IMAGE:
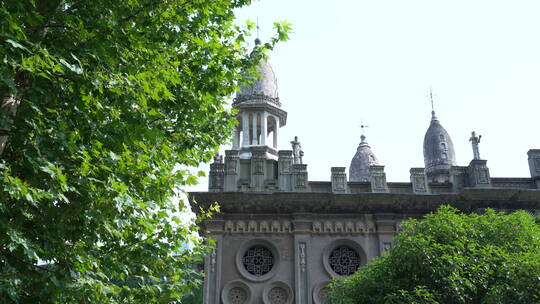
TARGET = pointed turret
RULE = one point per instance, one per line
(439, 153)
(364, 157)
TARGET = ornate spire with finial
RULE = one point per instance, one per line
(362, 160)
(257, 40)
(439, 155)
(362, 132)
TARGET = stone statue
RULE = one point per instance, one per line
(475, 140)
(298, 153)
(218, 159)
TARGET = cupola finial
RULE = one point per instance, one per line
(257, 40)
(362, 132)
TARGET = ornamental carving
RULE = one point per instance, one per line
(300, 180)
(258, 165)
(213, 259)
(323, 294)
(344, 260)
(302, 253)
(237, 295)
(420, 183)
(278, 295)
(258, 260)
(253, 226)
(483, 176)
(230, 164)
(342, 227)
(285, 166)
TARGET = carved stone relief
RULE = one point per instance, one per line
(302, 253)
(300, 180)
(420, 183)
(252, 226)
(342, 227)
(258, 166)
(237, 295)
(278, 295)
(483, 176)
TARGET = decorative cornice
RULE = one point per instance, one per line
(255, 99)
(467, 200)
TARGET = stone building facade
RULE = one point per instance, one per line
(280, 238)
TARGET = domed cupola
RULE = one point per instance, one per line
(439, 153)
(263, 90)
(364, 157)
(259, 112)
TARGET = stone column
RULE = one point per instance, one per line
(254, 130)
(479, 174)
(534, 165)
(285, 161)
(263, 128)
(339, 180)
(245, 129)
(276, 129)
(231, 170)
(300, 177)
(377, 178)
(418, 181)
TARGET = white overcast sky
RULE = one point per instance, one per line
(349, 61)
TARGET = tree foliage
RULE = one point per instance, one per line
(101, 101)
(450, 257)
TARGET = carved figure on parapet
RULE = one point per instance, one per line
(218, 159)
(475, 140)
(298, 153)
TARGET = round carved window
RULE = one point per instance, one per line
(323, 294)
(277, 292)
(237, 295)
(344, 260)
(258, 260)
(278, 295)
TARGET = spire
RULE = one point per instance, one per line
(439, 155)
(362, 160)
(257, 40)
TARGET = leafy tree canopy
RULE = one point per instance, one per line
(100, 101)
(450, 257)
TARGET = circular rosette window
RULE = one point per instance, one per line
(257, 260)
(320, 292)
(236, 292)
(278, 293)
(343, 258)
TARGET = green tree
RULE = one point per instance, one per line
(450, 257)
(101, 101)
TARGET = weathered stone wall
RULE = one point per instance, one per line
(304, 232)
